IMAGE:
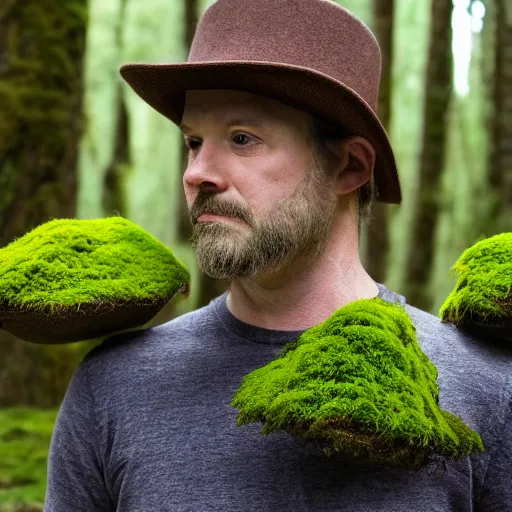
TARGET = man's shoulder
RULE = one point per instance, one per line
(433, 335)
(144, 344)
(474, 374)
(456, 352)
(431, 330)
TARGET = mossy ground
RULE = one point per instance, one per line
(68, 262)
(484, 283)
(358, 383)
(25, 436)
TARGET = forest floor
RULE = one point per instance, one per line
(25, 435)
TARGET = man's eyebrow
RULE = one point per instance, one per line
(254, 123)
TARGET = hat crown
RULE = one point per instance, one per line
(316, 34)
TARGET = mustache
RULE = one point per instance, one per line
(211, 204)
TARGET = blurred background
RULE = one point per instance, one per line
(76, 142)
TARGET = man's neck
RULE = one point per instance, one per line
(299, 299)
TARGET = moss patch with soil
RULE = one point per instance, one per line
(482, 297)
(71, 280)
(358, 383)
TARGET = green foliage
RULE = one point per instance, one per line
(358, 383)
(42, 45)
(42, 373)
(68, 262)
(41, 70)
(25, 436)
(484, 283)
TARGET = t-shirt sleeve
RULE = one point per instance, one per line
(75, 470)
(496, 490)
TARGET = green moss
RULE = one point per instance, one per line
(43, 70)
(25, 436)
(42, 46)
(73, 280)
(484, 283)
(68, 262)
(358, 383)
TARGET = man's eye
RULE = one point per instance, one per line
(240, 135)
(191, 144)
(240, 139)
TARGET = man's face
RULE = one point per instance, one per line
(257, 200)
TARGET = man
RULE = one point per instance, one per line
(277, 107)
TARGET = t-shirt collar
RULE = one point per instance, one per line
(271, 336)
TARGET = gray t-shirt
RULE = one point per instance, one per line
(146, 425)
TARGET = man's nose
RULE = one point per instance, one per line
(206, 167)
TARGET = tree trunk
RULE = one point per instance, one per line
(438, 89)
(42, 46)
(114, 197)
(41, 52)
(209, 288)
(377, 239)
(500, 148)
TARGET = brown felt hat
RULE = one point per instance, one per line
(311, 54)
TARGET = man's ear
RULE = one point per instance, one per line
(356, 164)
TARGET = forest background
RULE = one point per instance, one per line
(76, 142)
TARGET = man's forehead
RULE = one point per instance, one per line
(228, 105)
(203, 102)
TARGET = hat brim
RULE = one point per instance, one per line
(163, 87)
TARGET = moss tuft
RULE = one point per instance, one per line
(67, 262)
(68, 266)
(483, 292)
(358, 383)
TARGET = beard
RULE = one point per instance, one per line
(296, 230)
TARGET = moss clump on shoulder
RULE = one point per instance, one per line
(482, 296)
(358, 383)
(72, 280)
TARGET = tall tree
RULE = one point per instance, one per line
(377, 235)
(209, 288)
(114, 198)
(42, 46)
(438, 91)
(500, 147)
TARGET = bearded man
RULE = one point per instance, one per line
(276, 104)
